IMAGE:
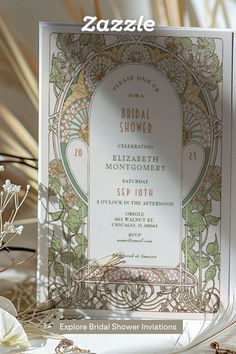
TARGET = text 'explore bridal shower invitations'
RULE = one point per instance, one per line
(135, 146)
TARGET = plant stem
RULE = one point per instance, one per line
(18, 263)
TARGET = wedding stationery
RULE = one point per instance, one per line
(135, 159)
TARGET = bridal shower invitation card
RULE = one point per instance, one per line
(135, 159)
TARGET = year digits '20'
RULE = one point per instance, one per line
(78, 152)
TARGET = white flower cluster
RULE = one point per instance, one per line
(10, 193)
(10, 228)
(12, 188)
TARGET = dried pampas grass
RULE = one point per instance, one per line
(18, 62)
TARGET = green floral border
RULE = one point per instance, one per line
(68, 249)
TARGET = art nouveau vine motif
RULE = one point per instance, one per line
(194, 69)
(202, 253)
(202, 256)
(73, 50)
(201, 57)
(68, 241)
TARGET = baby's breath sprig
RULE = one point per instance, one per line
(9, 193)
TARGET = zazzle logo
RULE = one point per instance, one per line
(117, 25)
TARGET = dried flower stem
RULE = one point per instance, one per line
(72, 10)
(4, 203)
(30, 173)
(18, 263)
(16, 158)
(16, 248)
(12, 142)
(176, 11)
(8, 242)
(155, 11)
(81, 8)
(115, 10)
(181, 11)
(21, 162)
(215, 10)
(26, 221)
(18, 73)
(33, 62)
(98, 9)
(19, 205)
(19, 130)
(168, 12)
(10, 191)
